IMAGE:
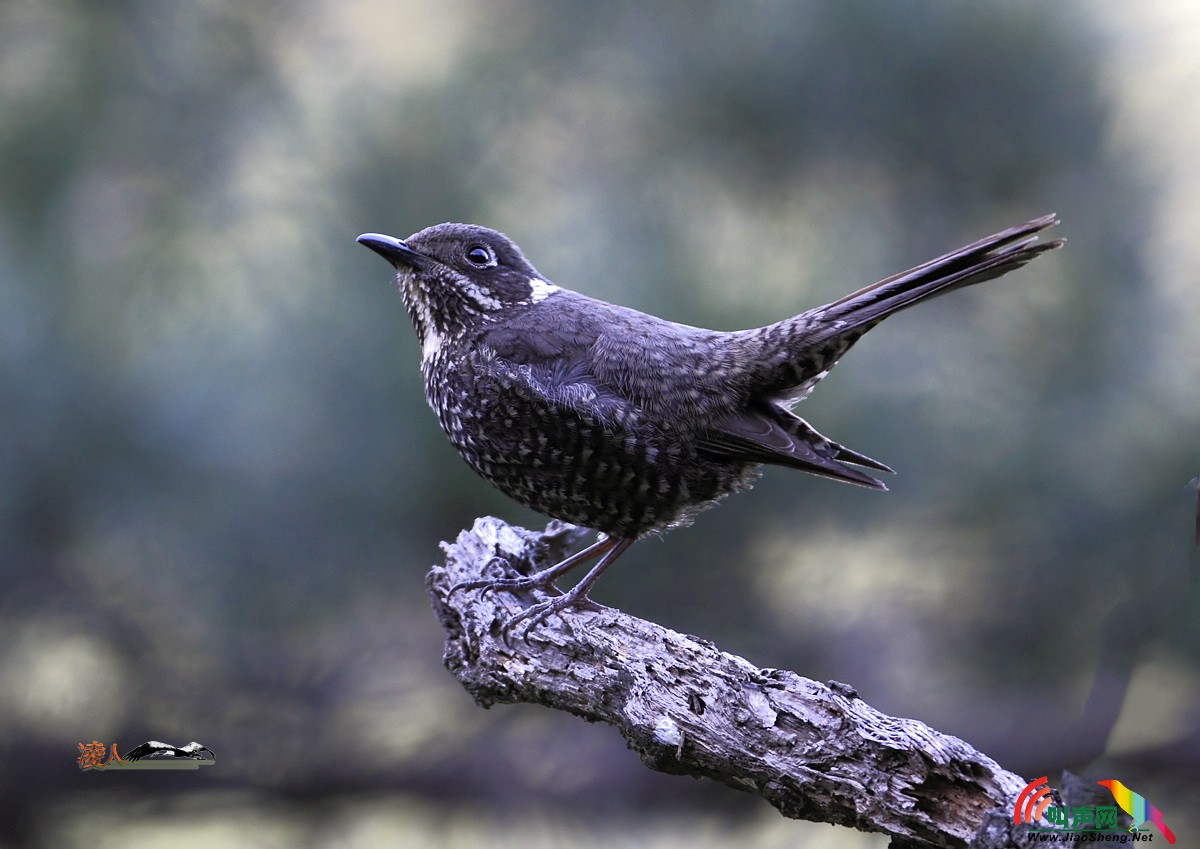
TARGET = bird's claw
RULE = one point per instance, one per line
(608, 549)
(543, 610)
(523, 582)
(492, 584)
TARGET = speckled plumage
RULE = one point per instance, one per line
(617, 420)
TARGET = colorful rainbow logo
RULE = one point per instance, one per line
(1137, 807)
(1033, 801)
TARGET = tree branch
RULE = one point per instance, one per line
(814, 751)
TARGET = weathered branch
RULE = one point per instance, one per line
(816, 752)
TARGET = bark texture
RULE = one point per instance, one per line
(815, 751)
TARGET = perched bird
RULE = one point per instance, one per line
(622, 422)
(155, 749)
(1137, 807)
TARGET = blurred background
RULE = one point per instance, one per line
(221, 488)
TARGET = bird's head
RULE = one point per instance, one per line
(453, 276)
(194, 749)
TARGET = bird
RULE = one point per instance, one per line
(155, 749)
(622, 422)
(1137, 807)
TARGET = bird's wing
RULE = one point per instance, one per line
(551, 369)
(766, 433)
(147, 749)
(669, 371)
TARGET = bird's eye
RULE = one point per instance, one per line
(481, 256)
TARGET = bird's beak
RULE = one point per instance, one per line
(393, 250)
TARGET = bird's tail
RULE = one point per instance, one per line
(797, 352)
(1157, 819)
(983, 260)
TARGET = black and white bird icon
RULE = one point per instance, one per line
(155, 749)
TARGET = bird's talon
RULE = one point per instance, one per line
(489, 584)
(462, 586)
(505, 565)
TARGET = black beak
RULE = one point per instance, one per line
(393, 250)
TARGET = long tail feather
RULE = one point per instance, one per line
(983, 260)
(797, 352)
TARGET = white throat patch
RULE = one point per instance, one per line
(431, 339)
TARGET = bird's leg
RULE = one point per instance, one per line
(577, 596)
(543, 580)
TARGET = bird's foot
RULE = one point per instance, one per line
(607, 549)
(543, 580)
(542, 610)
